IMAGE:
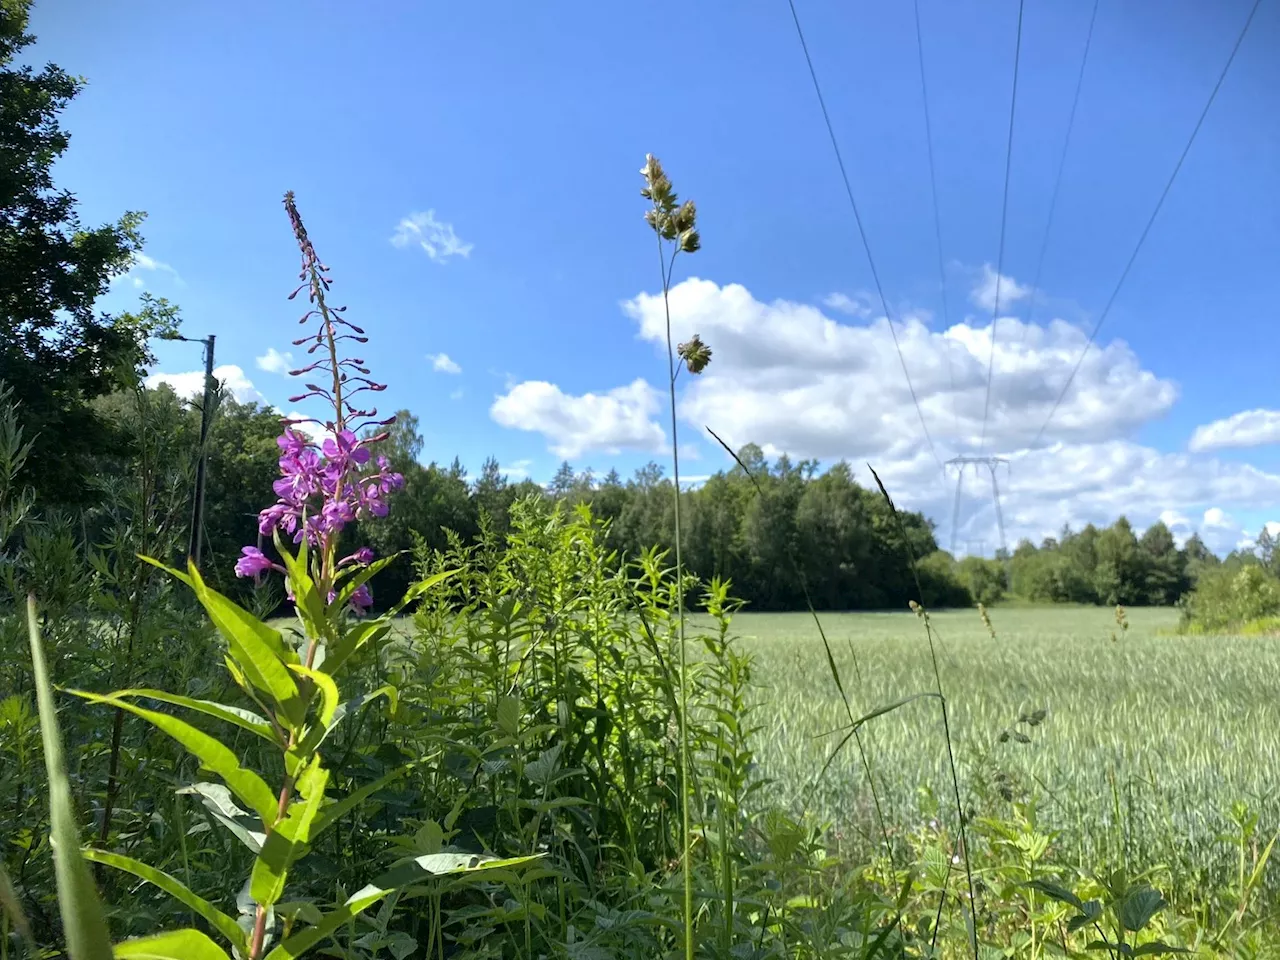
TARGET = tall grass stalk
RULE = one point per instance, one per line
(946, 723)
(676, 225)
(831, 660)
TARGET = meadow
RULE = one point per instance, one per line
(1147, 742)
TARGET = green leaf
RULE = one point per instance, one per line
(174, 945)
(509, 715)
(219, 758)
(307, 601)
(328, 690)
(12, 906)
(217, 800)
(300, 943)
(224, 924)
(418, 589)
(1139, 905)
(259, 650)
(83, 919)
(362, 576)
(1155, 948)
(1057, 892)
(290, 838)
(886, 708)
(417, 869)
(317, 735)
(244, 719)
(353, 640)
(330, 815)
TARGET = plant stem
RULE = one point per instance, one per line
(686, 829)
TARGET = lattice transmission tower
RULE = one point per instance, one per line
(992, 464)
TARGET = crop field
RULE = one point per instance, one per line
(1147, 740)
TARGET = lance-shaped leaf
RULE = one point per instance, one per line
(301, 942)
(257, 649)
(334, 812)
(360, 577)
(174, 945)
(289, 840)
(244, 719)
(220, 921)
(413, 870)
(212, 753)
(317, 734)
(83, 919)
(9, 901)
(307, 602)
(217, 800)
(353, 640)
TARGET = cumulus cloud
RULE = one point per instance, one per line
(190, 384)
(516, 470)
(859, 306)
(792, 379)
(273, 361)
(140, 266)
(436, 238)
(443, 363)
(984, 292)
(620, 419)
(1249, 428)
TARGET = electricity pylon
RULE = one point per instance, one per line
(992, 464)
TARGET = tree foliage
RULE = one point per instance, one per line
(56, 352)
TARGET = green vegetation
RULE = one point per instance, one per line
(563, 739)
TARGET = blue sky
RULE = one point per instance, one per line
(519, 130)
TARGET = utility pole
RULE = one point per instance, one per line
(196, 542)
(992, 464)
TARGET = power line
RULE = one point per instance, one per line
(866, 246)
(1151, 221)
(1004, 215)
(937, 216)
(1062, 163)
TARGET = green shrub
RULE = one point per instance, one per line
(1232, 596)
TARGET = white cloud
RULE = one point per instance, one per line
(190, 384)
(858, 306)
(142, 263)
(620, 419)
(1249, 428)
(793, 380)
(984, 292)
(443, 363)
(788, 377)
(273, 361)
(516, 470)
(316, 431)
(456, 394)
(437, 239)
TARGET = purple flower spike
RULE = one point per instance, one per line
(253, 562)
(362, 599)
(292, 442)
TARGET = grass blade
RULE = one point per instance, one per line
(83, 918)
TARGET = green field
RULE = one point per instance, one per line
(1148, 739)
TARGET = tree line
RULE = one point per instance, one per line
(786, 533)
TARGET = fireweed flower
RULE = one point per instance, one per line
(326, 486)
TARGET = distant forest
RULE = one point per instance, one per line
(793, 526)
